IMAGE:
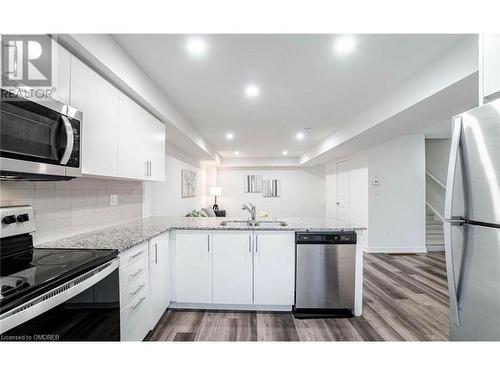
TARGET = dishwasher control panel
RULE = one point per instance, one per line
(325, 237)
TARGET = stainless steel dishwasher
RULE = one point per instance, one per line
(324, 274)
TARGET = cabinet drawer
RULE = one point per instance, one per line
(134, 322)
(132, 273)
(133, 255)
(134, 288)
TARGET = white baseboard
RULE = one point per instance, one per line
(395, 250)
(217, 306)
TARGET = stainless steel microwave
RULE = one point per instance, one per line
(39, 140)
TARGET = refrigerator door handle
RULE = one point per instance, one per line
(450, 221)
(450, 271)
(452, 165)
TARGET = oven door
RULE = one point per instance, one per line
(38, 138)
(85, 309)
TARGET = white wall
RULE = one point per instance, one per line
(302, 192)
(64, 208)
(397, 206)
(393, 211)
(164, 198)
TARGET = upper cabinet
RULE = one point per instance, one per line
(119, 137)
(99, 102)
(141, 146)
(61, 63)
(491, 66)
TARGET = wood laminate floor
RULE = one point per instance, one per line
(405, 299)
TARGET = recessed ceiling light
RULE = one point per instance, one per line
(285, 153)
(344, 45)
(236, 153)
(196, 46)
(229, 136)
(299, 135)
(252, 91)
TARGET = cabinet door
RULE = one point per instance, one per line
(274, 268)
(158, 277)
(156, 149)
(61, 73)
(98, 100)
(193, 266)
(134, 322)
(132, 149)
(491, 65)
(232, 267)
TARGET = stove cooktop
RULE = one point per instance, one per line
(26, 274)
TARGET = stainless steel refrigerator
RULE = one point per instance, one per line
(472, 225)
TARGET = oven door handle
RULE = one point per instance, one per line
(55, 297)
(70, 140)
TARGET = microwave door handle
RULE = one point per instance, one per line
(69, 140)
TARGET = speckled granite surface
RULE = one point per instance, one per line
(127, 235)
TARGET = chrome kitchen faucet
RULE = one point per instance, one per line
(250, 210)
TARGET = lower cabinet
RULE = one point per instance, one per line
(232, 267)
(274, 268)
(235, 267)
(193, 266)
(134, 293)
(159, 280)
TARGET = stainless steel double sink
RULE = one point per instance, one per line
(251, 223)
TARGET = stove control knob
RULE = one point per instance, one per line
(9, 219)
(23, 217)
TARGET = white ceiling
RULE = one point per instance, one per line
(302, 82)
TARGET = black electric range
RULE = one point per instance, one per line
(54, 294)
(29, 273)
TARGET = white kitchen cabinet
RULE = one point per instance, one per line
(232, 267)
(159, 281)
(132, 150)
(156, 148)
(491, 65)
(193, 266)
(61, 73)
(98, 100)
(274, 267)
(134, 322)
(141, 149)
(134, 293)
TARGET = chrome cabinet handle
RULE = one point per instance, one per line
(137, 290)
(256, 243)
(70, 140)
(208, 242)
(138, 303)
(136, 273)
(249, 243)
(136, 255)
(156, 253)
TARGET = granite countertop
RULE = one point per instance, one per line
(124, 236)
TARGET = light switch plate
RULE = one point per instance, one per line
(113, 200)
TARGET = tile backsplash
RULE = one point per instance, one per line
(64, 208)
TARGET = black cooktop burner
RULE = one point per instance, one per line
(27, 273)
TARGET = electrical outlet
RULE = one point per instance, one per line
(113, 200)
